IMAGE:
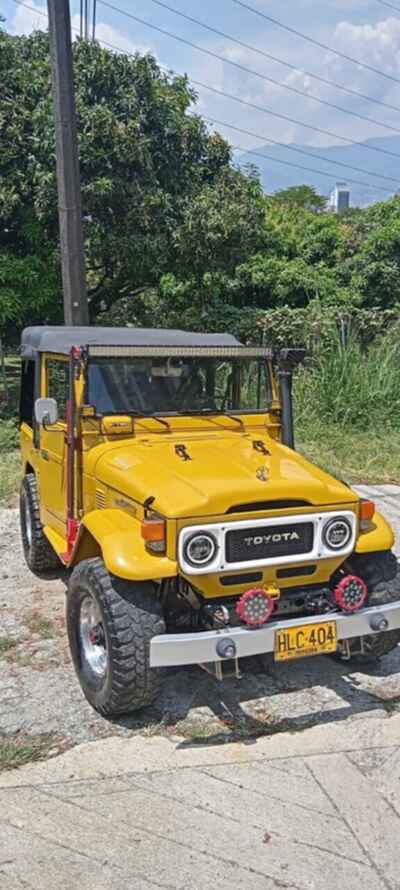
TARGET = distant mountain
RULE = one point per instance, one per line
(363, 157)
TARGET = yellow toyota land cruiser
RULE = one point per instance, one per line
(160, 471)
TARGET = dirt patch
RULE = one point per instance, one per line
(40, 626)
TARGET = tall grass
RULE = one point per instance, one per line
(348, 386)
(8, 434)
(10, 474)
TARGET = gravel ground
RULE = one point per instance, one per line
(40, 694)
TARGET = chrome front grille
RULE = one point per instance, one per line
(252, 544)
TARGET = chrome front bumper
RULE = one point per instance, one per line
(170, 650)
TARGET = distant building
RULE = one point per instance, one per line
(340, 198)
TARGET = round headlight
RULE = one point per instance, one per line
(337, 533)
(200, 549)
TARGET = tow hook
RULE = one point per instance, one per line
(320, 604)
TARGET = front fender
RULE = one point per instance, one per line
(378, 536)
(118, 538)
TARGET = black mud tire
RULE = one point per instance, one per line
(130, 616)
(375, 570)
(38, 552)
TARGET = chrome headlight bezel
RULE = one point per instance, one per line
(219, 531)
(340, 521)
(200, 535)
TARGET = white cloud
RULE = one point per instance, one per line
(378, 44)
(27, 20)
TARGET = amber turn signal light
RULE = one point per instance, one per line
(153, 532)
(367, 510)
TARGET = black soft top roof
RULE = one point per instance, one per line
(61, 339)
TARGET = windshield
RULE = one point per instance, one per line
(178, 386)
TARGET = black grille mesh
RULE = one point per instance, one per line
(269, 541)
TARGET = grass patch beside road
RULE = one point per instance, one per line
(6, 645)
(347, 408)
(10, 473)
(352, 455)
(9, 458)
(17, 751)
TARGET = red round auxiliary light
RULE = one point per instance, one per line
(255, 606)
(351, 593)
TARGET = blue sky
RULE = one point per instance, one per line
(365, 29)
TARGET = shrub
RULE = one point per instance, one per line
(350, 385)
(8, 435)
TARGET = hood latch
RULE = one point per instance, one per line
(258, 445)
(181, 451)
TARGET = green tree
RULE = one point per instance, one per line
(375, 264)
(304, 196)
(145, 162)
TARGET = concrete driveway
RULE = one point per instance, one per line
(308, 798)
(316, 810)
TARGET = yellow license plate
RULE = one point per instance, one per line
(309, 639)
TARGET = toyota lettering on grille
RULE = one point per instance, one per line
(257, 540)
(269, 541)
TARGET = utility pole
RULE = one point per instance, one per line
(94, 21)
(68, 178)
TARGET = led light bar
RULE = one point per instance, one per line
(240, 352)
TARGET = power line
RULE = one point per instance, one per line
(312, 40)
(213, 120)
(390, 5)
(247, 132)
(301, 167)
(284, 145)
(266, 55)
(263, 138)
(263, 109)
(244, 68)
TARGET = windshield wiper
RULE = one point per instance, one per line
(216, 413)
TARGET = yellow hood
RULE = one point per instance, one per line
(223, 471)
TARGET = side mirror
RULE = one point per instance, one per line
(288, 358)
(46, 412)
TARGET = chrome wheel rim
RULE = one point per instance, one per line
(92, 637)
(28, 521)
